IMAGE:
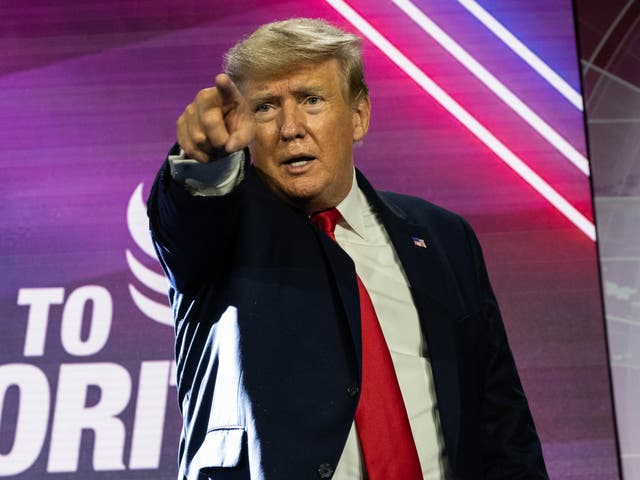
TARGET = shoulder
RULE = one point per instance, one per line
(447, 232)
(417, 211)
(442, 226)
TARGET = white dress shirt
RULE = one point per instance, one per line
(365, 240)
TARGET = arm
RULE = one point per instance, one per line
(191, 232)
(193, 204)
(511, 448)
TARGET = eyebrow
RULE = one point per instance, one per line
(301, 91)
(309, 90)
(261, 98)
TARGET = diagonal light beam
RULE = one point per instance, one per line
(495, 85)
(467, 120)
(520, 49)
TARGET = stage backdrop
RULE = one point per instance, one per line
(610, 42)
(476, 107)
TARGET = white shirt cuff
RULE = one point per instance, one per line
(212, 179)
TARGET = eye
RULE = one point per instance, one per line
(313, 100)
(264, 108)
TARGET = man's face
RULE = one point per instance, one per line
(305, 130)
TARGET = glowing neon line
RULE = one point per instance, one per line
(520, 49)
(495, 85)
(464, 117)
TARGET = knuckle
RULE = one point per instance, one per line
(200, 140)
(204, 96)
(211, 120)
(181, 120)
(195, 133)
(189, 112)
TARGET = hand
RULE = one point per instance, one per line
(218, 119)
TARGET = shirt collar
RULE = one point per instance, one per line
(353, 208)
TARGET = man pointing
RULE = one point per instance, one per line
(323, 329)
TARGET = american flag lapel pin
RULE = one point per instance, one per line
(419, 242)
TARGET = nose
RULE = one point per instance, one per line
(292, 121)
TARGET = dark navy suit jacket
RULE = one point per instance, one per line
(268, 344)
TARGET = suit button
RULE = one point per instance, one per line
(325, 470)
(353, 389)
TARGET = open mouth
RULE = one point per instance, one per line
(299, 160)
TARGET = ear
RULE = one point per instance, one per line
(361, 114)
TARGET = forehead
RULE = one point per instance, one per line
(324, 77)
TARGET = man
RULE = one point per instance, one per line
(323, 329)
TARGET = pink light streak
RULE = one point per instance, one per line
(466, 119)
(493, 84)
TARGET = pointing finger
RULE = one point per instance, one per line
(228, 90)
(237, 113)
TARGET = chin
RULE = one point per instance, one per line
(302, 191)
(306, 201)
(311, 201)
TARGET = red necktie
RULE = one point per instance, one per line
(381, 418)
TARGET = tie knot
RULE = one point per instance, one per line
(327, 220)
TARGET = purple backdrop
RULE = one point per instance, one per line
(89, 93)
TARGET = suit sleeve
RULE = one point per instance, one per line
(191, 233)
(511, 448)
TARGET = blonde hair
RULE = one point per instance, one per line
(281, 47)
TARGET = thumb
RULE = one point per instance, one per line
(241, 137)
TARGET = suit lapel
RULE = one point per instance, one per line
(344, 275)
(432, 287)
(340, 264)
